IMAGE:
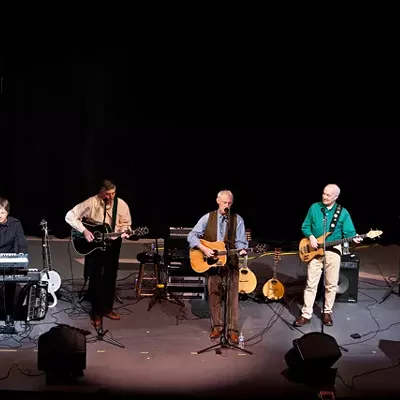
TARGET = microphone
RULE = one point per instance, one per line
(323, 211)
(226, 210)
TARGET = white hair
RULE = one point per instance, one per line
(335, 187)
(227, 192)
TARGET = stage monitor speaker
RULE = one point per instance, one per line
(314, 351)
(62, 351)
(347, 291)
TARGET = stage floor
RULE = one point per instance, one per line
(160, 354)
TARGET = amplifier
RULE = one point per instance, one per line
(188, 294)
(347, 291)
(178, 253)
(176, 280)
(179, 232)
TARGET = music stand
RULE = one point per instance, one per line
(101, 334)
(224, 342)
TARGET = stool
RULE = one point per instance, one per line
(141, 276)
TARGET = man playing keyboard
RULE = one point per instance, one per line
(12, 240)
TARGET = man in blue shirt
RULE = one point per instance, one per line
(221, 225)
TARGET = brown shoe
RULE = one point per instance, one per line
(327, 319)
(233, 337)
(301, 321)
(113, 315)
(215, 333)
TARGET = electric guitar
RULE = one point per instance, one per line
(83, 247)
(307, 252)
(273, 289)
(200, 263)
(48, 274)
(247, 278)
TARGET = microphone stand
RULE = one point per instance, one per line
(224, 343)
(102, 334)
(323, 269)
(323, 275)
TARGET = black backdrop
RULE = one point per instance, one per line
(173, 134)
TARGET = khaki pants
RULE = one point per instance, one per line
(216, 299)
(314, 271)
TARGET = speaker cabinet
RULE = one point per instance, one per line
(62, 351)
(347, 291)
(313, 350)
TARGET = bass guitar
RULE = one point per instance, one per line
(307, 252)
(201, 263)
(273, 289)
(83, 247)
(48, 274)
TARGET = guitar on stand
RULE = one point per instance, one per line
(48, 274)
(274, 289)
(247, 278)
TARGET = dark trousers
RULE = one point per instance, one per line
(9, 300)
(216, 293)
(101, 267)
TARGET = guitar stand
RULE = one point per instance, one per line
(9, 327)
(224, 342)
(102, 336)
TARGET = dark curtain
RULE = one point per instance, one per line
(172, 133)
(73, 115)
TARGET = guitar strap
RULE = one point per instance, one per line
(335, 218)
(114, 214)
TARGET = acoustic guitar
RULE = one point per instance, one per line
(201, 263)
(274, 289)
(83, 247)
(307, 252)
(247, 278)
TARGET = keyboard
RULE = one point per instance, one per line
(25, 276)
(14, 260)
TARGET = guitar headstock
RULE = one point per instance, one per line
(260, 248)
(277, 254)
(141, 231)
(373, 234)
(43, 223)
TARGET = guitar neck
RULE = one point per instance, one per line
(113, 234)
(275, 265)
(47, 255)
(232, 252)
(341, 241)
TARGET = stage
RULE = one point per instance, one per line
(161, 345)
